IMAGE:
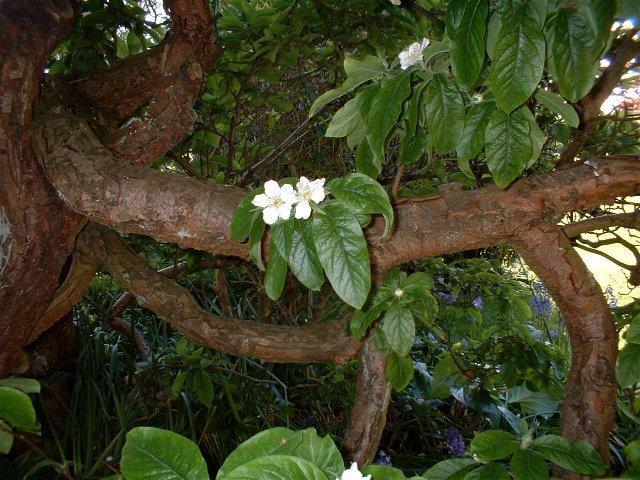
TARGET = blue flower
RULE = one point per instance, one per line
(454, 442)
(448, 297)
(541, 301)
(478, 302)
(382, 458)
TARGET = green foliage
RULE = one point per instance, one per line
(16, 410)
(628, 369)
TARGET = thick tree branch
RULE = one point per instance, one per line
(589, 106)
(193, 214)
(369, 411)
(588, 409)
(626, 220)
(275, 343)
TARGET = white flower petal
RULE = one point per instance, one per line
(288, 194)
(425, 43)
(270, 215)
(317, 195)
(261, 201)
(272, 189)
(284, 211)
(303, 210)
(303, 183)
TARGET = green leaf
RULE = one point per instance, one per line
(413, 146)
(574, 67)
(154, 454)
(579, 456)
(528, 465)
(244, 216)
(362, 319)
(383, 472)
(628, 369)
(399, 329)
(385, 109)
(556, 104)
(518, 61)
(321, 451)
(537, 139)
(255, 243)
(344, 121)
(17, 410)
(133, 43)
(121, 47)
(27, 385)
(262, 444)
(475, 126)
(342, 251)
(178, 383)
(282, 236)
(277, 467)
(363, 195)
(6, 438)
(365, 162)
(399, 371)
(491, 471)
(358, 72)
(632, 334)
(203, 386)
(303, 257)
(444, 110)
(467, 30)
(632, 451)
(276, 273)
(494, 445)
(508, 145)
(450, 469)
(446, 376)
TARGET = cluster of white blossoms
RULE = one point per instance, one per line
(277, 201)
(353, 474)
(412, 55)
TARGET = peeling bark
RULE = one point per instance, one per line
(588, 409)
(313, 343)
(369, 412)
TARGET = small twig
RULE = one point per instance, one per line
(396, 182)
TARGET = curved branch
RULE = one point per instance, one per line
(369, 411)
(275, 343)
(588, 409)
(626, 220)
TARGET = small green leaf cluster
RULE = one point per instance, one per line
(628, 368)
(471, 92)
(400, 300)
(16, 410)
(527, 458)
(330, 242)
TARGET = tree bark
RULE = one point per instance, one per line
(588, 409)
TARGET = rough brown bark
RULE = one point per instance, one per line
(369, 412)
(36, 229)
(588, 409)
(317, 342)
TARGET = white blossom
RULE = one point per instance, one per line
(396, 2)
(412, 55)
(398, 293)
(308, 191)
(276, 201)
(353, 474)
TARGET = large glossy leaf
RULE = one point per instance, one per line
(413, 146)
(466, 25)
(155, 454)
(444, 110)
(261, 444)
(518, 61)
(358, 72)
(383, 472)
(579, 456)
(362, 319)
(493, 445)
(507, 145)
(276, 273)
(303, 257)
(385, 109)
(449, 469)
(244, 216)
(344, 121)
(490, 471)
(278, 467)
(26, 385)
(556, 104)
(321, 451)
(255, 242)
(599, 16)
(399, 371)
(6, 438)
(475, 126)
(399, 329)
(573, 42)
(17, 410)
(528, 465)
(282, 236)
(536, 136)
(342, 251)
(363, 195)
(628, 369)
(632, 335)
